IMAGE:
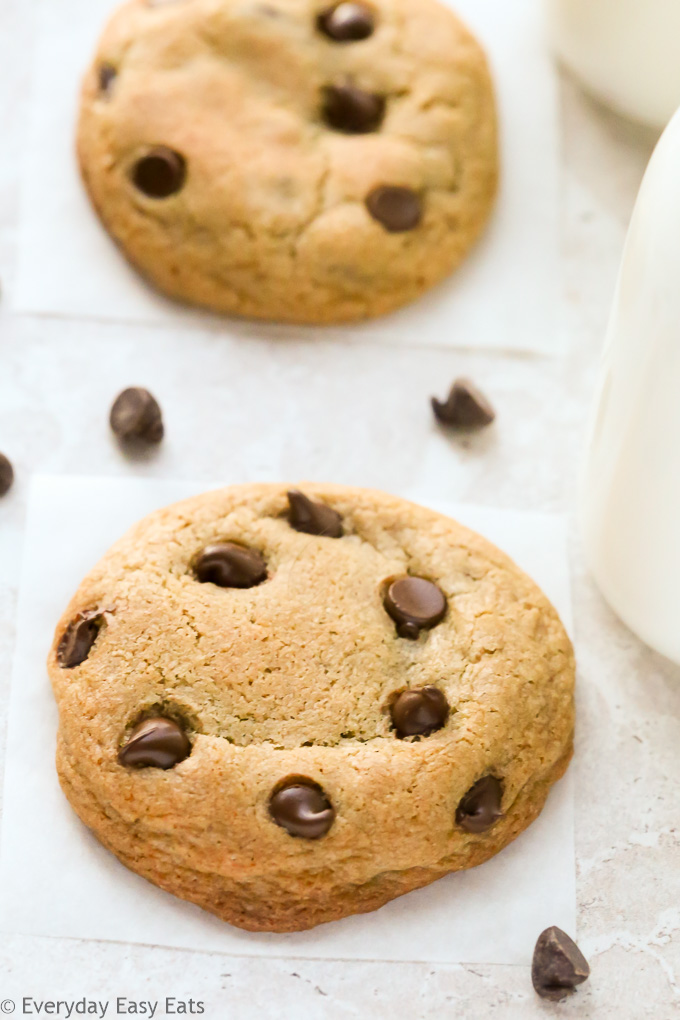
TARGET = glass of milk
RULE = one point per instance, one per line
(631, 496)
(626, 52)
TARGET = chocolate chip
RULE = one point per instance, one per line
(78, 639)
(157, 743)
(397, 209)
(414, 604)
(230, 566)
(136, 415)
(160, 173)
(480, 808)
(558, 965)
(347, 22)
(313, 518)
(419, 712)
(6, 475)
(465, 408)
(349, 109)
(302, 808)
(107, 74)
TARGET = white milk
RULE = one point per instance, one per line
(627, 52)
(631, 499)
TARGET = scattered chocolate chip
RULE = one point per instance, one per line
(302, 808)
(6, 475)
(229, 565)
(107, 74)
(465, 408)
(155, 743)
(349, 109)
(397, 209)
(313, 518)
(160, 173)
(347, 22)
(136, 415)
(419, 712)
(558, 965)
(78, 639)
(480, 808)
(414, 604)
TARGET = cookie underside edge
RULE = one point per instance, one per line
(228, 899)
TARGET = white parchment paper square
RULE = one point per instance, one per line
(56, 880)
(507, 295)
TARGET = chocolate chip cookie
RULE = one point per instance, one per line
(291, 706)
(290, 160)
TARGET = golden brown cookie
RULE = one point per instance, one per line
(287, 159)
(291, 707)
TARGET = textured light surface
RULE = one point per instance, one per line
(627, 850)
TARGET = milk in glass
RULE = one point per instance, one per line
(631, 497)
(627, 52)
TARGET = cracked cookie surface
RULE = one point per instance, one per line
(248, 160)
(245, 721)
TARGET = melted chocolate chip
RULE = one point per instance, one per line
(157, 743)
(414, 604)
(419, 712)
(347, 22)
(397, 209)
(480, 808)
(6, 475)
(558, 965)
(229, 565)
(106, 75)
(313, 518)
(78, 639)
(302, 808)
(160, 173)
(349, 109)
(466, 407)
(136, 415)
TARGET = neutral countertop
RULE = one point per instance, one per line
(367, 409)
